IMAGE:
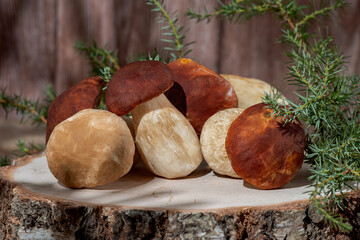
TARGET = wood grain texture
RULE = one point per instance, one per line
(27, 61)
(347, 34)
(206, 35)
(250, 50)
(37, 39)
(28, 215)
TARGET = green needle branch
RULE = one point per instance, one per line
(327, 99)
(176, 33)
(28, 108)
(172, 25)
(21, 106)
(99, 58)
(29, 149)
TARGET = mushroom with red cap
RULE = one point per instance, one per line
(84, 95)
(165, 139)
(263, 150)
(206, 92)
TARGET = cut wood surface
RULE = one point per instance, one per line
(140, 205)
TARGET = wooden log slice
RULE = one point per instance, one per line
(142, 206)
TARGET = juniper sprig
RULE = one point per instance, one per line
(4, 161)
(174, 35)
(328, 99)
(29, 109)
(28, 149)
(99, 58)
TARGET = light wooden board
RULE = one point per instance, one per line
(202, 190)
(142, 206)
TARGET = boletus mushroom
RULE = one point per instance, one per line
(91, 148)
(249, 91)
(212, 141)
(263, 150)
(206, 92)
(165, 139)
(84, 95)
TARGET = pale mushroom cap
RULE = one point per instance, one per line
(91, 148)
(212, 140)
(249, 91)
(168, 143)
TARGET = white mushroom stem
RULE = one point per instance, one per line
(156, 103)
(167, 142)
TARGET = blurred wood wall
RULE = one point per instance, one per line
(37, 39)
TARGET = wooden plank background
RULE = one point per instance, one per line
(37, 39)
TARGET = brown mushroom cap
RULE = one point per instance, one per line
(135, 83)
(262, 150)
(85, 94)
(206, 91)
(91, 148)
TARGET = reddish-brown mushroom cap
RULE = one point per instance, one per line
(85, 94)
(206, 91)
(135, 83)
(264, 151)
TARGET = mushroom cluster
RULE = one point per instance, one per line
(171, 106)
(167, 142)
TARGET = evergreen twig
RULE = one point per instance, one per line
(105, 75)
(99, 58)
(176, 33)
(23, 149)
(4, 161)
(28, 108)
(328, 100)
(154, 55)
(28, 149)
